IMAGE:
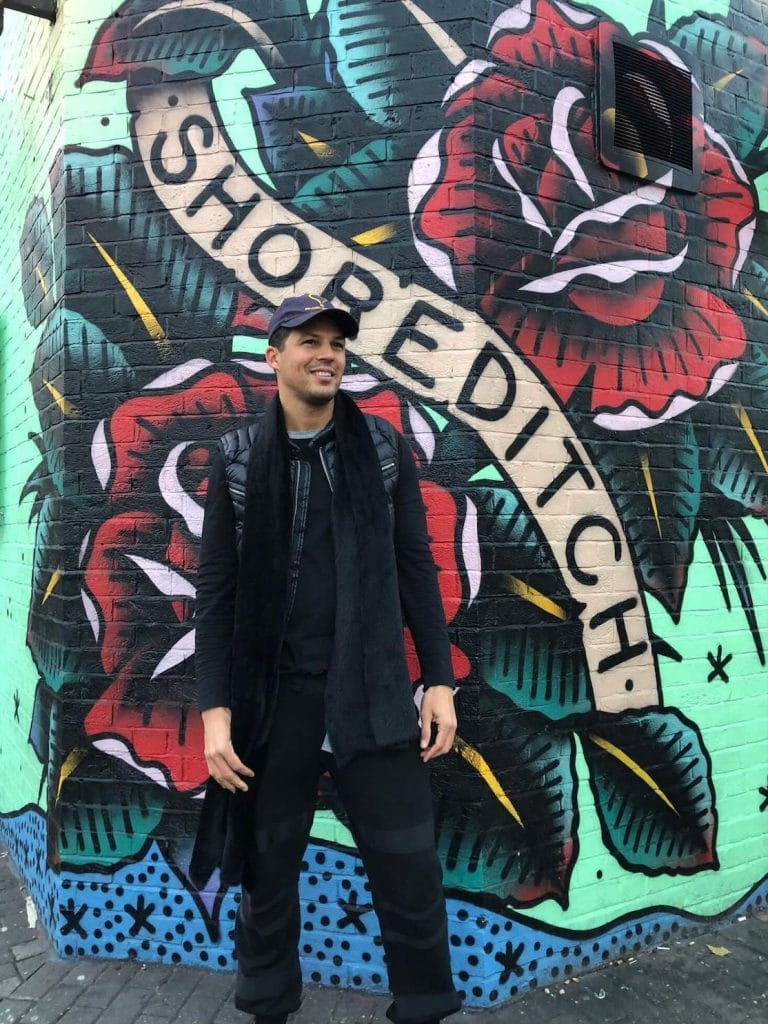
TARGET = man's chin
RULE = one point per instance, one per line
(318, 401)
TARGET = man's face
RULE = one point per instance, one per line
(311, 362)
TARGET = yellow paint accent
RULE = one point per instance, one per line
(63, 403)
(41, 279)
(756, 302)
(375, 235)
(536, 597)
(721, 83)
(478, 762)
(321, 149)
(72, 760)
(649, 485)
(634, 767)
(52, 583)
(749, 430)
(148, 318)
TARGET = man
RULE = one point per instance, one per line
(314, 544)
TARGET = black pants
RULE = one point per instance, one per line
(387, 798)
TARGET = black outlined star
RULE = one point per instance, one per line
(140, 914)
(353, 911)
(718, 663)
(73, 918)
(763, 791)
(508, 960)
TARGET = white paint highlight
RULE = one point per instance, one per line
(718, 139)
(470, 550)
(421, 177)
(532, 215)
(616, 272)
(165, 579)
(179, 374)
(745, 241)
(576, 16)
(175, 496)
(83, 548)
(91, 614)
(667, 52)
(423, 432)
(100, 457)
(450, 49)
(514, 20)
(262, 368)
(633, 418)
(468, 74)
(114, 747)
(359, 383)
(561, 139)
(612, 211)
(180, 652)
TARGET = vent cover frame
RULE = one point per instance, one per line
(637, 162)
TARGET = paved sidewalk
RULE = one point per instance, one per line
(685, 983)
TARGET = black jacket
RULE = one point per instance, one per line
(217, 574)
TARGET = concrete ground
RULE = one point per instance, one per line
(685, 983)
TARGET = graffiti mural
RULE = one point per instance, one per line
(576, 354)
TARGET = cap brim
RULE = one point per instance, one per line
(345, 320)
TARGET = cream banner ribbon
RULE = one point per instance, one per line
(441, 352)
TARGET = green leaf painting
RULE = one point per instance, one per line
(650, 775)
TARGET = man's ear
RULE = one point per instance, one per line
(272, 355)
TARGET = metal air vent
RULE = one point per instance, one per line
(649, 103)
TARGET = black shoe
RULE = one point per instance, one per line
(280, 1018)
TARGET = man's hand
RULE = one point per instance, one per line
(437, 707)
(223, 763)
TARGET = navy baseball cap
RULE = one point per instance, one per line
(298, 309)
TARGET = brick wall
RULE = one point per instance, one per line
(551, 219)
(31, 245)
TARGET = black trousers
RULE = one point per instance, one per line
(387, 797)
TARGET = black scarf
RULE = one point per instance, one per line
(368, 697)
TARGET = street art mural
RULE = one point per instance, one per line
(576, 352)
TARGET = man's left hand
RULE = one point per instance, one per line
(437, 708)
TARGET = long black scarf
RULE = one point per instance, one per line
(368, 699)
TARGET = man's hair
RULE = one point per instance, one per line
(277, 340)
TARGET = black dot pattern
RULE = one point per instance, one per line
(143, 911)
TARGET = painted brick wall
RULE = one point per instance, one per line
(576, 352)
(30, 242)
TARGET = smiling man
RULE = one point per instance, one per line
(314, 548)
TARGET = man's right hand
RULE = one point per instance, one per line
(223, 763)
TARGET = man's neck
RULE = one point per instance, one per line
(305, 418)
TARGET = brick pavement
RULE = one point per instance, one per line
(682, 984)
